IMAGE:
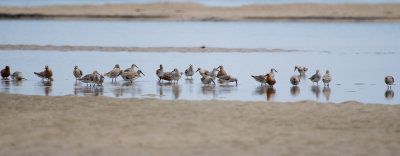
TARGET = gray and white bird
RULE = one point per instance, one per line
(316, 77)
(228, 78)
(389, 80)
(189, 71)
(17, 76)
(301, 69)
(98, 80)
(176, 75)
(160, 73)
(272, 72)
(89, 78)
(131, 69)
(295, 80)
(207, 80)
(202, 71)
(113, 74)
(131, 76)
(326, 79)
(260, 78)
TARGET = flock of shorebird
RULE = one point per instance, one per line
(130, 74)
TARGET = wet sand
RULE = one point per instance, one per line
(68, 125)
(198, 12)
(138, 49)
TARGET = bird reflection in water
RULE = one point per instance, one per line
(17, 82)
(169, 87)
(265, 90)
(316, 90)
(295, 90)
(327, 93)
(189, 82)
(208, 90)
(389, 94)
(47, 87)
(88, 90)
(226, 89)
(270, 93)
(302, 77)
(5, 85)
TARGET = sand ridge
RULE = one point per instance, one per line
(69, 125)
(175, 11)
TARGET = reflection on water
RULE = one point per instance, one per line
(5, 86)
(316, 91)
(209, 90)
(227, 89)
(327, 92)
(270, 93)
(189, 81)
(389, 94)
(169, 88)
(46, 86)
(295, 90)
(265, 91)
(17, 82)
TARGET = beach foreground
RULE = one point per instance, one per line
(198, 12)
(68, 125)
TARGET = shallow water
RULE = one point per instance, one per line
(332, 37)
(205, 2)
(356, 76)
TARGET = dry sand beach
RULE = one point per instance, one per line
(68, 125)
(198, 12)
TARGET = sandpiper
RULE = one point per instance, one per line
(207, 80)
(316, 77)
(131, 69)
(160, 72)
(77, 73)
(98, 79)
(131, 76)
(189, 71)
(294, 80)
(17, 76)
(326, 79)
(260, 78)
(113, 74)
(89, 78)
(213, 73)
(221, 72)
(46, 74)
(5, 73)
(270, 80)
(272, 72)
(389, 80)
(229, 78)
(202, 71)
(301, 69)
(176, 75)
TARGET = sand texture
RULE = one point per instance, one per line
(67, 125)
(197, 12)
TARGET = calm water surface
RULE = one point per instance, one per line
(333, 37)
(356, 76)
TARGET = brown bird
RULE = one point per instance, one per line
(221, 72)
(270, 80)
(160, 72)
(5, 73)
(46, 74)
(17, 76)
(228, 78)
(389, 80)
(169, 76)
(260, 78)
(77, 73)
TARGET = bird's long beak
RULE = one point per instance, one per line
(197, 70)
(142, 73)
(213, 81)
(295, 69)
(275, 70)
(236, 82)
(136, 66)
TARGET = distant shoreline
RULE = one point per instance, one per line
(197, 12)
(138, 49)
